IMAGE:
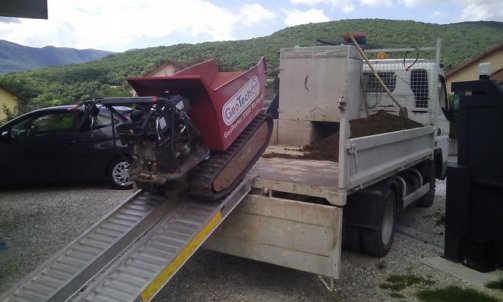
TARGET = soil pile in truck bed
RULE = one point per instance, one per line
(381, 122)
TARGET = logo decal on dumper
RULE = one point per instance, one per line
(241, 100)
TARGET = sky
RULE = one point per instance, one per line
(119, 25)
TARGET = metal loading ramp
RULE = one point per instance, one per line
(131, 253)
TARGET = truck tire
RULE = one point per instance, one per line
(427, 200)
(378, 241)
(351, 238)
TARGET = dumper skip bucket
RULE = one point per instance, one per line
(222, 103)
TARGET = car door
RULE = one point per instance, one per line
(92, 148)
(13, 142)
(48, 150)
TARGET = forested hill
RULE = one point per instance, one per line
(15, 57)
(106, 77)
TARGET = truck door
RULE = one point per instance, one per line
(442, 138)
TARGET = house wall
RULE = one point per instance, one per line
(7, 99)
(471, 72)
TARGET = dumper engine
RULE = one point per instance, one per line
(166, 143)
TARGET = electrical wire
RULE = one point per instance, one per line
(415, 61)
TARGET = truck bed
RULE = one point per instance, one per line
(290, 230)
(367, 160)
(298, 176)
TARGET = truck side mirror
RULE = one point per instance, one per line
(442, 98)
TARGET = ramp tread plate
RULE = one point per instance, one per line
(148, 255)
(133, 272)
(129, 280)
(46, 282)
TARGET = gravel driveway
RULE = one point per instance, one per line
(36, 222)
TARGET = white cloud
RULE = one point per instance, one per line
(436, 15)
(483, 10)
(409, 3)
(376, 3)
(471, 10)
(252, 14)
(344, 5)
(9, 20)
(416, 3)
(116, 24)
(296, 17)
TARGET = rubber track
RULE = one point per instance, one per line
(201, 183)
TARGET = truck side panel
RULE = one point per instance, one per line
(373, 158)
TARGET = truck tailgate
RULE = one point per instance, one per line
(279, 223)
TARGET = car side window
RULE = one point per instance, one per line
(20, 129)
(52, 122)
(104, 120)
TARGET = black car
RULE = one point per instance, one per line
(60, 144)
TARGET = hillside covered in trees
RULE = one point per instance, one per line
(106, 77)
(15, 57)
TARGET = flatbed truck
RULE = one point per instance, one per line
(293, 212)
(301, 212)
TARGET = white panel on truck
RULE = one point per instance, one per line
(314, 79)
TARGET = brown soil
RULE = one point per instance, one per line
(381, 122)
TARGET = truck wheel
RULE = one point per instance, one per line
(427, 200)
(377, 241)
(351, 238)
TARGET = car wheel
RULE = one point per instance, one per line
(118, 174)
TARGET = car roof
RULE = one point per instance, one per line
(103, 110)
(120, 109)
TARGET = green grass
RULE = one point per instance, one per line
(498, 284)
(454, 294)
(399, 282)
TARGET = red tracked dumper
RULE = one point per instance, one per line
(199, 130)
